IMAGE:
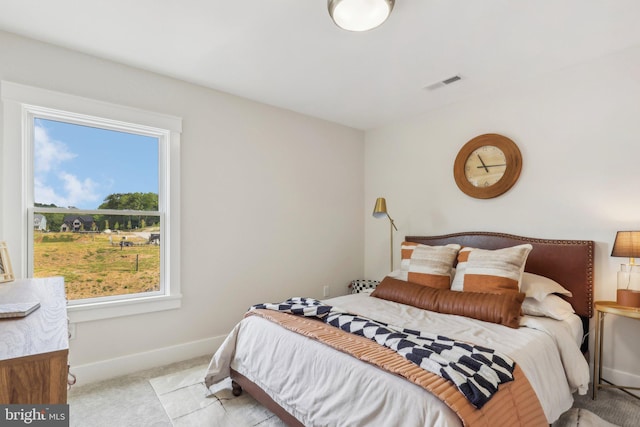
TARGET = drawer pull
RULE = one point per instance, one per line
(71, 380)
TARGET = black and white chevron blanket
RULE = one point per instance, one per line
(476, 371)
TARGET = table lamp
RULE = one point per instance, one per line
(627, 244)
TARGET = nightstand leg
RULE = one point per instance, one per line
(597, 357)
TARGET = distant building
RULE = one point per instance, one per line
(154, 239)
(77, 223)
(39, 222)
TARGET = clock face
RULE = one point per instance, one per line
(485, 166)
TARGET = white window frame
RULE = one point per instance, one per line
(21, 104)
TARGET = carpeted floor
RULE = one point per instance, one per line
(187, 402)
(128, 401)
(612, 405)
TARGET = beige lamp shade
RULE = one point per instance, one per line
(627, 244)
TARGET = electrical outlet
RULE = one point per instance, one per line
(325, 291)
(72, 331)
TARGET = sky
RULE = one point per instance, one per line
(80, 166)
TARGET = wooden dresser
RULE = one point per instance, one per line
(34, 349)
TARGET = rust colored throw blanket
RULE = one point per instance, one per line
(515, 404)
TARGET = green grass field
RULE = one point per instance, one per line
(93, 266)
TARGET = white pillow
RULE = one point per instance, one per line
(538, 287)
(400, 274)
(551, 306)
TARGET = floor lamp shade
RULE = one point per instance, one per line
(380, 210)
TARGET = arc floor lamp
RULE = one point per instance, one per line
(380, 211)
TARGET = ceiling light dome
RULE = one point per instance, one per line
(359, 15)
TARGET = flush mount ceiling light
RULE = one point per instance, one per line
(359, 15)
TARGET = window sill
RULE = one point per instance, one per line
(110, 309)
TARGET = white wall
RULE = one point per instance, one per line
(579, 133)
(271, 205)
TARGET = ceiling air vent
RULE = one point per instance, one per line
(444, 82)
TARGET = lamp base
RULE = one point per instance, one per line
(628, 298)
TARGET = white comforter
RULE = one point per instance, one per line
(348, 392)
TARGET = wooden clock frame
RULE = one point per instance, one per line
(513, 159)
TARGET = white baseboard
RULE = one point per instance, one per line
(124, 365)
(622, 378)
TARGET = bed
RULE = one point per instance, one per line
(307, 382)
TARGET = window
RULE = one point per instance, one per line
(96, 198)
(97, 203)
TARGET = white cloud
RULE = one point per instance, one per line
(79, 191)
(52, 184)
(46, 194)
(49, 153)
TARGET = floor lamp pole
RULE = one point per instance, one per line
(391, 227)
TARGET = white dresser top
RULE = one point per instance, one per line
(44, 330)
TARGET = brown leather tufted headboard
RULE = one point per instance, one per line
(568, 262)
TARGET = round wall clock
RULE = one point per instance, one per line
(487, 166)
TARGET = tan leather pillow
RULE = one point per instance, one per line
(503, 309)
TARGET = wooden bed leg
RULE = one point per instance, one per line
(235, 388)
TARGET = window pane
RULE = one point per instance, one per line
(85, 168)
(81, 166)
(98, 263)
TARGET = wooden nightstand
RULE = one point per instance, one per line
(602, 308)
(34, 350)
